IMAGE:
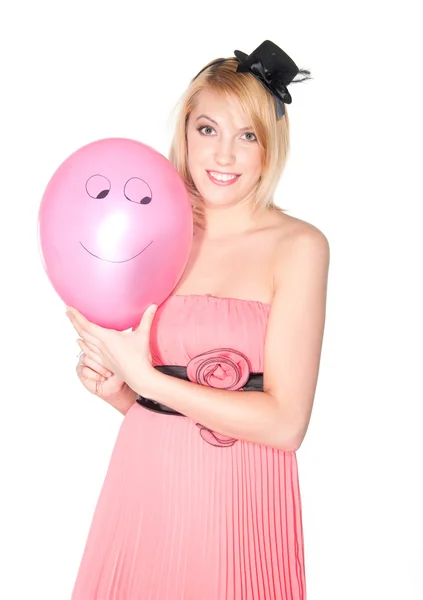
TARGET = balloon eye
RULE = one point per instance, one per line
(97, 186)
(137, 190)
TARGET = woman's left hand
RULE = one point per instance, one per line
(125, 353)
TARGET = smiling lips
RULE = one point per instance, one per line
(115, 261)
(223, 178)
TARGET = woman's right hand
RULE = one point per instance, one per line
(97, 379)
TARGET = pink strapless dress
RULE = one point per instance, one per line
(184, 514)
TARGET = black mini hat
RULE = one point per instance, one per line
(272, 67)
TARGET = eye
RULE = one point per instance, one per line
(208, 128)
(98, 186)
(138, 191)
(252, 137)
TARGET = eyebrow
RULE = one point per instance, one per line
(249, 128)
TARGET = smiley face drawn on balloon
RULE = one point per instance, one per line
(135, 190)
(115, 230)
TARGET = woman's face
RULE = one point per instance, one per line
(224, 156)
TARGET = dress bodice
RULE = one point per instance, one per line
(188, 327)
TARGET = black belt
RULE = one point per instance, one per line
(254, 383)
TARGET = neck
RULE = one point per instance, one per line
(223, 222)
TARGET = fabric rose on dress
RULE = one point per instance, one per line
(224, 369)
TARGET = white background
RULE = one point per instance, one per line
(74, 72)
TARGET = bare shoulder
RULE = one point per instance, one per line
(297, 241)
(291, 229)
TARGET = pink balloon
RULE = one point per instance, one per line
(115, 230)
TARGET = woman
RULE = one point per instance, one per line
(201, 500)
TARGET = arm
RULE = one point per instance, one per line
(122, 400)
(278, 416)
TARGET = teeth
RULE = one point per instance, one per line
(221, 177)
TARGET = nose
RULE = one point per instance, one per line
(224, 153)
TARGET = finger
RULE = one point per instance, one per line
(90, 350)
(144, 328)
(87, 374)
(94, 349)
(147, 320)
(95, 366)
(99, 388)
(88, 331)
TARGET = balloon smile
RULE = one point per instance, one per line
(116, 261)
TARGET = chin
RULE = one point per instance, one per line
(219, 200)
(219, 196)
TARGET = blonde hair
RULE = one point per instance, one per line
(259, 106)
